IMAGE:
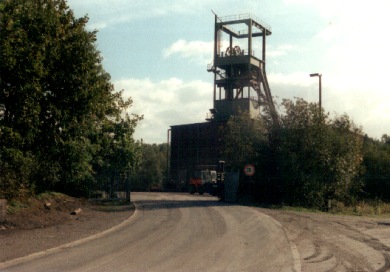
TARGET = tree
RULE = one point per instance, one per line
(56, 100)
(243, 139)
(151, 173)
(246, 140)
(118, 155)
(319, 158)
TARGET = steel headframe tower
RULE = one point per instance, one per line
(240, 80)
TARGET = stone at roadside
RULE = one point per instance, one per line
(75, 212)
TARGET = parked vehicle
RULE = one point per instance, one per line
(209, 179)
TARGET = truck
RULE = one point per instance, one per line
(209, 179)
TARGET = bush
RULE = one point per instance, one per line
(16, 170)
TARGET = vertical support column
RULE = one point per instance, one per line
(229, 90)
(215, 89)
(250, 37)
(215, 58)
(263, 55)
(231, 41)
(3, 210)
(320, 94)
(169, 174)
(127, 180)
(215, 38)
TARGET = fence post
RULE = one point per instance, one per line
(128, 187)
(3, 210)
(231, 186)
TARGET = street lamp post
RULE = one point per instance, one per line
(319, 88)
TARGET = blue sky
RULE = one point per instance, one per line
(157, 51)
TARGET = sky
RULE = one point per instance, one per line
(157, 52)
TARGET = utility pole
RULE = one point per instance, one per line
(319, 89)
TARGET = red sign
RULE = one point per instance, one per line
(249, 170)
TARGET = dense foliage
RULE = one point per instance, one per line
(310, 159)
(244, 140)
(151, 173)
(377, 168)
(64, 128)
(61, 123)
(319, 158)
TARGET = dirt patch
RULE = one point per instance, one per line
(46, 210)
(45, 222)
(329, 242)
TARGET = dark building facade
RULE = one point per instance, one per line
(193, 147)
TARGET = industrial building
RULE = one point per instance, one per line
(240, 84)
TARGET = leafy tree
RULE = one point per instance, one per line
(16, 166)
(151, 173)
(118, 155)
(319, 158)
(243, 139)
(246, 140)
(58, 109)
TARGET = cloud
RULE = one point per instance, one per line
(280, 51)
(368, 109)
(199, 52)
(352, 53)
(347, 43)
(166, 103)
(293, 85)
(292, 79)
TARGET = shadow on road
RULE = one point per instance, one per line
(188, 201)
(112, 205)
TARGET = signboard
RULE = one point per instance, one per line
(249, 170)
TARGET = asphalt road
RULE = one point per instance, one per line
(178, 232)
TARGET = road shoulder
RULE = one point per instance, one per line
(91, 221)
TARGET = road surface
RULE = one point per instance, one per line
(178, 232)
